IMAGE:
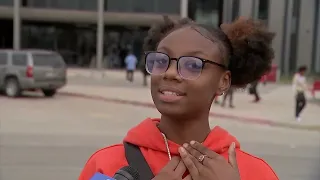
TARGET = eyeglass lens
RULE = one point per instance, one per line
(188, 67)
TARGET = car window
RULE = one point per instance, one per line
(3, 58)
(19, 59)
(47, 60)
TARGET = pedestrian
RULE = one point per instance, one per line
(131, 63)
(253, 90)
(144, 72)
(190, 64)
(228, 94)
(300, 86)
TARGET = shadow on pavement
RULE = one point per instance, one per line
(28, 95)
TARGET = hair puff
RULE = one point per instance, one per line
(252, 50)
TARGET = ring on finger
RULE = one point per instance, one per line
(201, 158)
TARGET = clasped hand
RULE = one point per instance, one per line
(202, 164)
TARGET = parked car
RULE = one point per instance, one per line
(26, 70)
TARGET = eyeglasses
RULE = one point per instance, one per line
(188, 67)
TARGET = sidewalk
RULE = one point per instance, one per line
(275, 109)
(96, 74)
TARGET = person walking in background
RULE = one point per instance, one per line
(230, 95)
(253, 90)
(142, 67)
(131, 63)
(300, 86)
(264, 79)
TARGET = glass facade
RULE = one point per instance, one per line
(77, 42)
(294, 36)
(6, 2)
(89, 5)
(63, 4)
(6, 33)
(138, 6)
(235, 9)
(148, 6)
(35, 3)
(290, 40)
(168, 6)
(316, 43)
(263, 12)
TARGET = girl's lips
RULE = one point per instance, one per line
(171, 90)
(170, 98)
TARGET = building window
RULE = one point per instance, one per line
(35, 3)
(6, 2)
(143, 6)
(263, 10)
(235, 9)
(316, 43)
(167, 6)
(118, 5)
(140, 6)
(294, 35)
(91, 5)
(207, 12)
(63, 4)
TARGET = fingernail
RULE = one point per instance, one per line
(185, 145)
(192, 142)
(182, 150)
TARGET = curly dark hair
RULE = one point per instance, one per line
(246, 43)
(302, 68)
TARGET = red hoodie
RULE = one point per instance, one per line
(148, 137)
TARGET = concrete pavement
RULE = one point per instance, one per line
(51, 138)
(275, 109)
(44, 138)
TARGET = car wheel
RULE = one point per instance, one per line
(12, 87)
(49, 92)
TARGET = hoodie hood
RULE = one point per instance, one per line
(147, 135)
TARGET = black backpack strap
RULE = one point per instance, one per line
(136, 160)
